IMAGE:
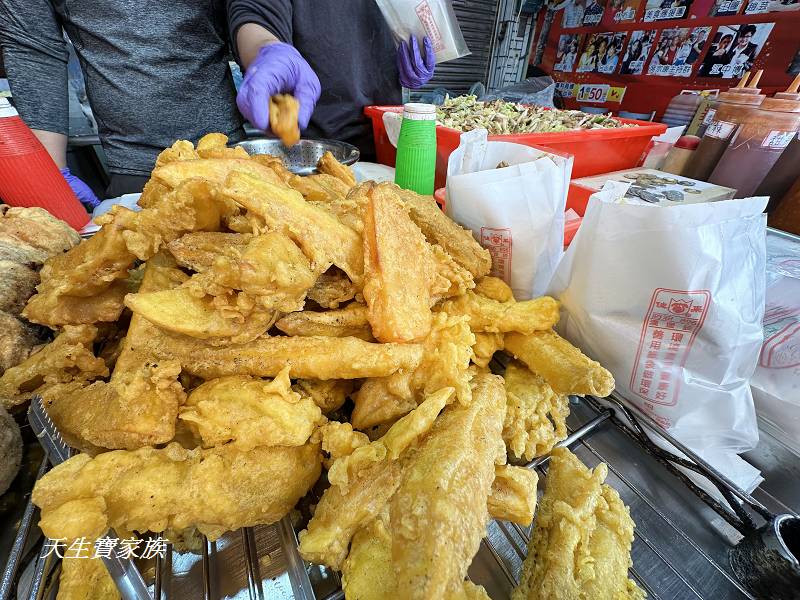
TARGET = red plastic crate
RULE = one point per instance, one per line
(595, 150)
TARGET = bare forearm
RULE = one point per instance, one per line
(249, 39)
(55, 144)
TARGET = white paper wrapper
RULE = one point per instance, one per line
(516, 212)
(670, 300)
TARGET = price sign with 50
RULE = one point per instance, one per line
(592, 93)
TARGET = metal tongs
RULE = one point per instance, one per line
(767, 559)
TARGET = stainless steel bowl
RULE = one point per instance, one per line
(302, 158)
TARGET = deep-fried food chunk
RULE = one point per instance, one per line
(329, 165)
(485, 346)
(348, 321)
(489, 315)
(339, 439)
(53, 310)
(86, 578)
(17, 340)
(321, 236)
(536, 415)
(494, 288)
(439, 513)
(276, 164)
(332, 288)
(67, 358)
(250, 412)
(439, 229)
(38, 228)
(329, 395)
(283, 112)
(179, 151)
(214, 170)
(398, 269)
(215, 490)
(17, 284)
(513, 496)
(581, 543)
(319, 188)
(215, 145)
(562, 365)
(198, 250)
(452, 279)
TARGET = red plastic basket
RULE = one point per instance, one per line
(595, 150)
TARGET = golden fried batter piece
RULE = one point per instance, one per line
(439, 513)
(38, 228)
(323, 239)
(198, 250)
(329, 395)
(513, 496)
(581, 543)
(399, 267)
(332, 288)
(66, 359)
(339, 440)
(17, 341)
(494, 288)
(348, 321)
(487, 315)
(362, 482)
(85, 578)
(445, 363)
(439, 229)
(330, 166)
(213, 170)
(319, 188)
(179, 151)
(276, 164)
(283, 112)
(17, 283)
(250, 412)
(452, 279)
(149, 489)
(560, 364)
(215, 145)
(485, 346)
(536, 415)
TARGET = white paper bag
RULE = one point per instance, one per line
(670, 300)
(516, 212)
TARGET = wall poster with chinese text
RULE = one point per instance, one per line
(733, 50)
(677, 51)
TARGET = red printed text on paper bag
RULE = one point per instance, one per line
(425, 15)
(498, 242)
(671, 324)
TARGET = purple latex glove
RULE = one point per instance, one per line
(278, 69)
(80, 189)
(414, 70)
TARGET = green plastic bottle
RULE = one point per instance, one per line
(415, 168)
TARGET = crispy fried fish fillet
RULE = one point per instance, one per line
(487, 315)
(321, 236)
(198, 250)
(440, 229)
(329, 395)
(67, 358)
(85, 578)
(399, 267)
(91, 271)
(139, 405)
(439, 513)
(581, 544)
(362, 483)
(283, 111)
(445, 363)
(560, 364)
(343, 322)
(250, 412)
(215, 490)
(329, 165)
(536, 415)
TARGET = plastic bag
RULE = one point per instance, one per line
(670, 300)
(433, 18)
(534, 91)
(776, 381)
(516, 212)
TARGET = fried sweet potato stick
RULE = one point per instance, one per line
(321, 236)
(149, 489)
(215, 170)
(439, 513)
(329, 165)
(283, 112)
(581, 543)
(562, 365)
(536, 415)
(487, 315)
(348, 321)
(398, 269)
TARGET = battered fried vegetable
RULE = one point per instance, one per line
(332, 289)
(198, 250)
(329, 165)
(85, 578)
(562, 365)
(487, 315)
(348, 321)
(513, 496)
(149, 489)
(328, 395)
(283, 112)
(581, 543)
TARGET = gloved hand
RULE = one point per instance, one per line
(80, 189)
(278, 69)
(414, 70)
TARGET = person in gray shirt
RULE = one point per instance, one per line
(157, 71)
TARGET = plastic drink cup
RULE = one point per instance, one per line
(415, 168)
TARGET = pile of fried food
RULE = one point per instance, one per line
(248, 329)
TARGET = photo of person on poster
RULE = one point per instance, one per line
(726, 8)
(593, 12)
(735, 48)
(567, 53)
(620, 11)
(636, 53)
(573, 13)
(678, 49)
(601, 53)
